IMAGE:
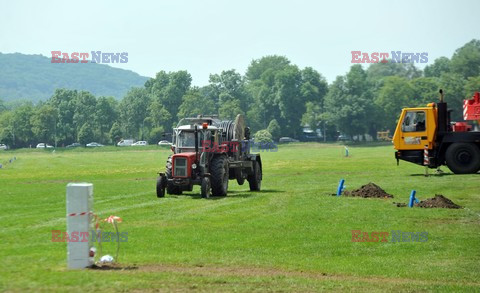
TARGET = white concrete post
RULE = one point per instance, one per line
(79, 208)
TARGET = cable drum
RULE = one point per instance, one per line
(233, 130)
(226, 129)
(239, 130)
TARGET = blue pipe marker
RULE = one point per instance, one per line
(340, 187)
(412, 199)
(346, 152)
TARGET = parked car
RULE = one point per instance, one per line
(140, 143)
(126, 142)
(74, 145)
(164, 142)
(3, 146)
(287, 140)
(42, 146)
(94, 144)
(343, 137)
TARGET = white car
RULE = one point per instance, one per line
(287, 140)
(94, 144)
(42, 146)
(3, 146)
(125, 142)
(164, 142)
(141, 142)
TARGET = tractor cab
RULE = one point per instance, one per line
(191, 131)
(184, 139)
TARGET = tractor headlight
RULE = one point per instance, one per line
(194, 166)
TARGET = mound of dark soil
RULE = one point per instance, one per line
(439, 201)
(369, 190)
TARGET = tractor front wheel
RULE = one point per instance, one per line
(161, 184)
(239, 176)
(205, 187)
(463, 158)
(219, 178)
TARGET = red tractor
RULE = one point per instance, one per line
(208, 152)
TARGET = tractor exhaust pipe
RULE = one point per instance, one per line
(441, 95)
(196, 144)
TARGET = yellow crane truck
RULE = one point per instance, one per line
(426, 136)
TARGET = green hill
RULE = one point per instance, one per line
(34, 77)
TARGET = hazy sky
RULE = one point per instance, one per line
(205, 37)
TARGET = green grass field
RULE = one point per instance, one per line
(291, 236)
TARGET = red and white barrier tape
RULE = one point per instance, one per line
(110, 219)
(426, 159)
(97, 224)
(79, 214)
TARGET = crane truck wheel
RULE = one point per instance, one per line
(255, 179)
(219, 178)
(463, 158)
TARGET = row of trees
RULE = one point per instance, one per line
(274, 94)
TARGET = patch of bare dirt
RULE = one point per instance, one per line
(112, 267)
(208, 270)
(439, 201)
(370, 190)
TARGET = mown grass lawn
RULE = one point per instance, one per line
(291, 236)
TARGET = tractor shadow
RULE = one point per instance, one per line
(231, 194)
(248, 193)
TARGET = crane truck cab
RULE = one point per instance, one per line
(428, 129)
(417, 128)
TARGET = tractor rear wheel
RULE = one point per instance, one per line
(255, 179)
(219, 178)
(463, 158)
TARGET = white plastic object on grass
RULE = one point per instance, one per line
(106, 259)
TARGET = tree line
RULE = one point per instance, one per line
(277, 97)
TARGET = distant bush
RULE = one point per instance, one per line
(263, 136)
